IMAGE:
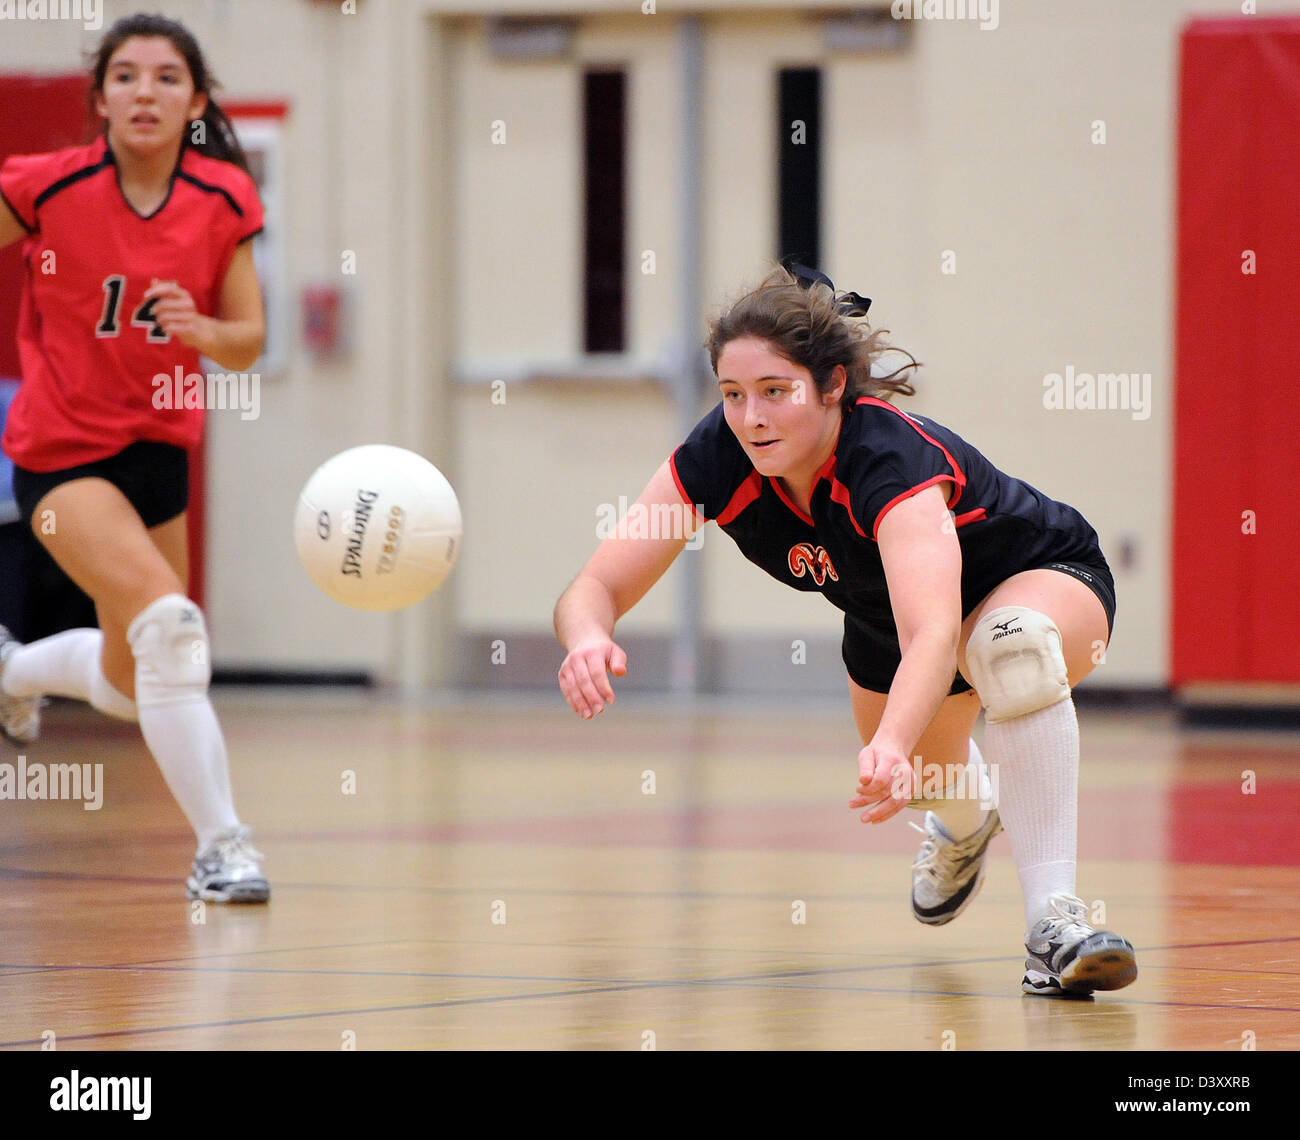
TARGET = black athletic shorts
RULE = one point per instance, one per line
(155, 478)
(872, 657)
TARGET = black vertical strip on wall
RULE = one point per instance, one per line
(605, 139)
(799, 165)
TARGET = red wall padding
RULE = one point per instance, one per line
(37, 113)
(1236, 611)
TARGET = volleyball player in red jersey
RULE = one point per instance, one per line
(961, 586)
(138, 259)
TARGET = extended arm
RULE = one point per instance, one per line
(922, 559)
(624, 566)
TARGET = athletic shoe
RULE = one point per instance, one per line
(20, 717)
(948, 873)
(1068, 958)
(227, 870)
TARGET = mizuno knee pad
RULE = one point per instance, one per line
(170, 641)
(1016, 661)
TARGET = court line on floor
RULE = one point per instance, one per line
(321, 1014)
(605, 989)
(892, 894)
(440, 974)
(605, 946)
(26, 969)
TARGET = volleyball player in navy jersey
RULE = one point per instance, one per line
(138, 258)
(961, 587)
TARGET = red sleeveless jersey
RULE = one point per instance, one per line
(87, 341)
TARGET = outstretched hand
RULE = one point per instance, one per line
(885, 783)
(584, 679)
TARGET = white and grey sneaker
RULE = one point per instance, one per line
(947, 873)
(20, 717)
(1068, 958)
(228, 870)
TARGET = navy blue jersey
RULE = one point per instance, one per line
(883, 456)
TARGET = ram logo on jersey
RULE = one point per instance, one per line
(808, 559)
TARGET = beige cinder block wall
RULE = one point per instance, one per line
(1006, 196)
(468, 256)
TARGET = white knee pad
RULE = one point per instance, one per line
(170, 641)
(1015, 659)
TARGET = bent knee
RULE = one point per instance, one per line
(1017, 662)
(169, 639)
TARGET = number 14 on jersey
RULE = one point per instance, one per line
(142, 318)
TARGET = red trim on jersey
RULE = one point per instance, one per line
(958, 476)
(840, 494)
(789, 502)
(825, 471)
(745, 494)
(969, 517)
(889, 506)
(672, 466)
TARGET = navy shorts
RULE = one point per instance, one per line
(872, 656)
(154, 477)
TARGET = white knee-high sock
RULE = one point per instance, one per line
(178, 720)
(66, 665)
(186, 742)
(1037, 756)
(963, 812)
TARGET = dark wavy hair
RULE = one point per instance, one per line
(219, 139)
(817, 328)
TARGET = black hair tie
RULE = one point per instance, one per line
(851, 304)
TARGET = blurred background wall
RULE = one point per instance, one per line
(1006, 196)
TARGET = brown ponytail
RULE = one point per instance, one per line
(811, 325)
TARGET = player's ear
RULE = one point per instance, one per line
(198, 105)
(839, 378)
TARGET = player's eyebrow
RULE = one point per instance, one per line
(727, 380)
(169, 66)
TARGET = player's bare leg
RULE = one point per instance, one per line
(953, 789)
(940, 756)
(152, 647)
(93, 665)
(1023, 648)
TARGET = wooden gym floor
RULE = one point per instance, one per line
(494, 875)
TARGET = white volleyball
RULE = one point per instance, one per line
(378, 527)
